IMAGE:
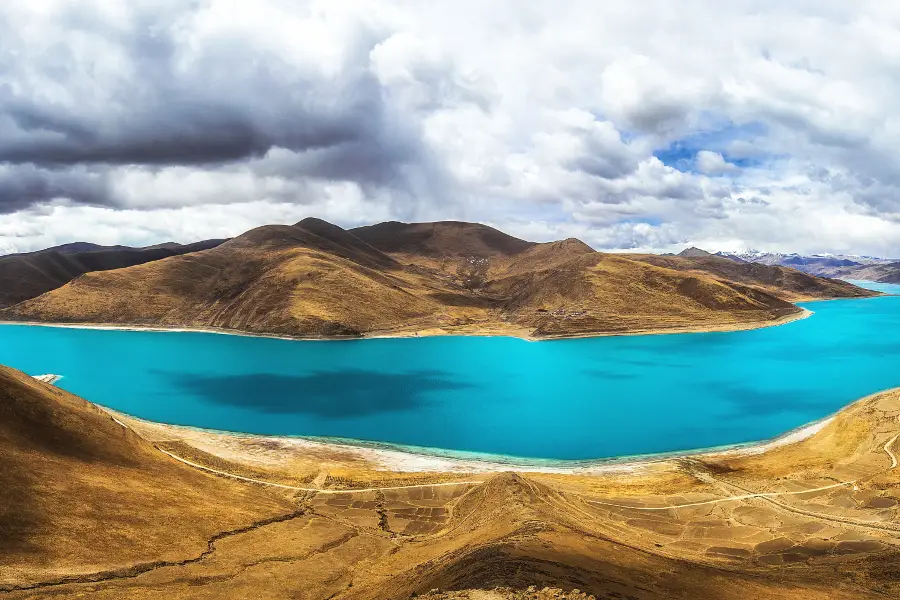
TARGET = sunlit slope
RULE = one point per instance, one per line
(79, 493)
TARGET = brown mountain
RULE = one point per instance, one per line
(441, 240)
(24, 276)
(694, 252)
(316, 279)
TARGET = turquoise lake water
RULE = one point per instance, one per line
(565, 399)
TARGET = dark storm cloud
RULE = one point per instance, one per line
(227, 102)
(27, 185)
(182, 130)
(194, 118)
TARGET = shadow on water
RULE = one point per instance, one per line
(751, 401)
(332, 394)
(608, 374)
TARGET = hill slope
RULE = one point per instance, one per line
(882, 273)
(314, 279)
(78, 491)
(91, 508)
(25, 276)
(311, 278)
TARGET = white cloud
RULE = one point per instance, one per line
(633, 126)
(713, 163)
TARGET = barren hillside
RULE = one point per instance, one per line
(101, 509)
(25, 276)
(79, 493)
(315, 279)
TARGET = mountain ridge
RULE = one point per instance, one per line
(316, 279)
(868, 268)
(27, 275)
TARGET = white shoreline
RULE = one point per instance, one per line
(398, 459)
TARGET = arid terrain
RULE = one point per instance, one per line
(315, 279)
(98, 505)
(25, 276)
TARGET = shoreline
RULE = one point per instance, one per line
(803, 313)
(398, 458)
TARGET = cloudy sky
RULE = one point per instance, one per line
(631, 125)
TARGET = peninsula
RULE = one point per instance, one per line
(317, 280)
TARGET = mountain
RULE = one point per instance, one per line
(786, 283)
(868, 268)
(25, 276)
(76, 247)
(77, 490)
(441, 240)
(890, 273)
(694, 252)
(886, 272)
(315, 279)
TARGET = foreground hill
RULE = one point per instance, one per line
(94, 508)
(315, 279)
(24, 276)
(80, 494)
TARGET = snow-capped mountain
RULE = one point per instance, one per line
(824, 264)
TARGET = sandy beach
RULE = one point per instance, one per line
(269, 450)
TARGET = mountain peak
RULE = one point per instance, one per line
(441, 239)
(314, 222)
(694, 252)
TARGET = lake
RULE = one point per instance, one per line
(561, 399)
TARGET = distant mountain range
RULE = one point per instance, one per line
(867, 268)
(315, 279)
(24, 276)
